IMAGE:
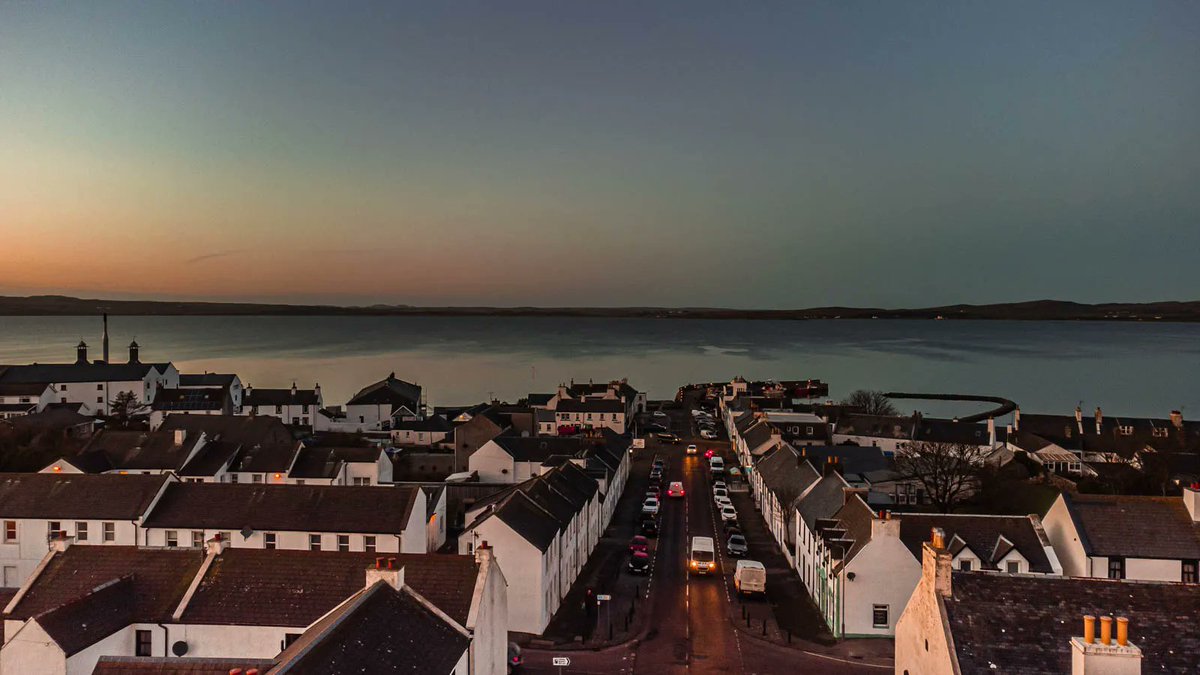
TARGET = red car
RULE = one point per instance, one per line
(639, 543)
(708, 454)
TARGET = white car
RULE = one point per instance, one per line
(720, 492)
(650, 506)
(692, 449)
(708, 434)
(728, 513)
(720, 484)
(722, 502)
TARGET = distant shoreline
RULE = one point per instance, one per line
(1038, 310)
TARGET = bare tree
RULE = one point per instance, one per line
(871, 402)
(125, 406)
(949, 472)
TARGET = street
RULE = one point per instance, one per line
(688, 626)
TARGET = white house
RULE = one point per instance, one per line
(375, 406)
(297, 407)
(23, 398)
(293, 517)
(310, 612)
(956, 623)
(1125, 537)
(95, 384)
(229, 382)
(36, 508)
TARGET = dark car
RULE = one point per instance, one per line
(731, 527)
(656, 427)
(668, 438)
(649, 527)
(737, 545)
(639, 563)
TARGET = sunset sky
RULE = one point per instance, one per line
(783, 154)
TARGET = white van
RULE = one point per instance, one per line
(716, 465)
(750, 577)
(702, 557)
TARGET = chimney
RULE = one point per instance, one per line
(61, 542)
(1078, 415)
(105, 345)
(885, 526)
(216, 545)
(1106, 656)
(1099, 420)
(483, 552)
(1016, 419)
(293, 390)
(991, 431)
(935, 563)
(180, 436)
(133, 352)
(317, 389)
(1191, 500)
(1177, 419)
(385, 569)
(81, 353)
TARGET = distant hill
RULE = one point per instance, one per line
(1037, 310)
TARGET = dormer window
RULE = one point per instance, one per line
(1160, 432)
(1125, 430)
(1013, 567)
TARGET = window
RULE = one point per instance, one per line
(1161, 432)
(964, 565)
(233, 478)
(99, 387)
(1126, 430)
(304, 420)
(879, 616)
(197, 538)
(1014, 566)
(361, 480)
(99, 399)
(305, 409)
(314, 542)
(256, 478)
(1116, 568)
(278, 410)
(10, 531)
(369, 543)
(269, 540)
(172, 538)
(295, 421)
(289, 638)
(1191, 571)
(110, 531)
(343, 543)
(63, 387)
(53, 528)
(25, 399)
(300, 482)
(81, 531)
(143, 643)
(226, 537)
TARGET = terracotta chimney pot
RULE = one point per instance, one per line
(1106, 630)
(1089, 629)
(1122, 631)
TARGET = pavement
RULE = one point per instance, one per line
(684, 623)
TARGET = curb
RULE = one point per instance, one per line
(799, 648)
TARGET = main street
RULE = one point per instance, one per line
(688, 627)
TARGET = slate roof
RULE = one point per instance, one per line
(758, 435)
(381, 630)
(949, 431)
(1022, 624)
(270, 397)
(539, 448)
(785, 473)
(189, 399)
(207, 380)
(597, 405)
(326, 462)
(175, 665)
(432, 423)
(138, 450)
(854, 459)
(210, 459)
(79, 372)
(84, 621)
(823, 500)
(981, 534)
(272, 458)
(1134, 527)
(22, 388)
(856, 518)
(247, 430)
(77, 496)
(539, 399)
(295, 588)
(526, 518)
(293, 508)
(389, 390)
(159, 576)
(882, 426)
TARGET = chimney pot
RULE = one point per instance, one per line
(1122, 631)
(937, 538)
(391, 563)
(1106, 630)
(379, 563)
(1089, 629)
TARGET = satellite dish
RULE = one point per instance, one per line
(179, 648)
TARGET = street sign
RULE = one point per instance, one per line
(603, 598)
(562, 661)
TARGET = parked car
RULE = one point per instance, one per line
(731, 528)
(721, 493)
(655, 427)
(668, 438)
(639, 563)
(675, 489)
(750, 577)
(651, 506)
(660, 463)
(649, 526)
(638, 543)
(656, 473)
(728, 513)
(719, 484)
(707, 434)
(654, 491)
(660, 414)
(722, 501)
(708, 454)
(691, 449)
(737, 545)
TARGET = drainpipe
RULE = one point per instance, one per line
(166, 641)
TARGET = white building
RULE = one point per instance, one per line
(297, 407)
(1124, 537)
(228, 382)
(375, 406)
(19, 399)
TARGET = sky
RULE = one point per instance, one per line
(769, 154)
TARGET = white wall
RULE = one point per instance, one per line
(921, 642)
(493, 464)
(30, 650)
(489, 622)
(1065, 540)
(532, 577)
(32, 542)
(210, 641)
(885, 573)
(288, 540)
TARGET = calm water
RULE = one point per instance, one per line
(1128, 368)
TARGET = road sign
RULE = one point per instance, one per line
(603, 598)
(562, 661)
